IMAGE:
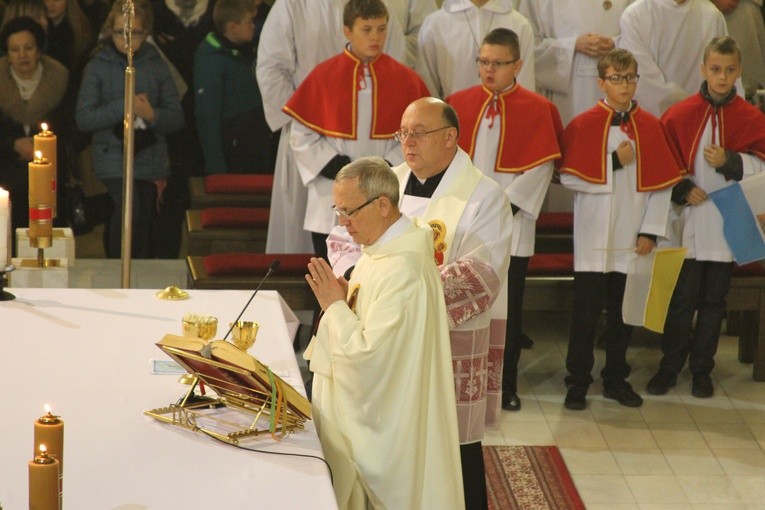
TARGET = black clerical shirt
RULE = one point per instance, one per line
(427, 188)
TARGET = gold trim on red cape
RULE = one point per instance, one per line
(530, 126)
(741, 125)
(327, 100)
(585, 148)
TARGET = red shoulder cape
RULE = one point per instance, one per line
(742, 127)
(530, 126)
(326, 101)
(585, 148)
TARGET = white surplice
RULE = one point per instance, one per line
(699, 228)
(451, 37)
(668, 42)
(313, 150)
(297, 35)
(410, 15)
(608, 217)
(383, 394)
(473, 275)
(565, 77)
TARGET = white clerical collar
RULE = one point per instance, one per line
(498, 6)
(395, 230)
(605, 100)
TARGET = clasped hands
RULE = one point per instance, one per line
(325, 285)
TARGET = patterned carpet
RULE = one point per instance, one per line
(529, 478)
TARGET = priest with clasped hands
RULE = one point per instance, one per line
(383, 390)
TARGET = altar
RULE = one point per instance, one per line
(89, 354)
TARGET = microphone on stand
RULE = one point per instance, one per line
(273, 267)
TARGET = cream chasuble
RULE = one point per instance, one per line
(473, 272)
(383, 392)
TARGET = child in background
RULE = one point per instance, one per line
(100, 110)
(619, 164)
(721, 139)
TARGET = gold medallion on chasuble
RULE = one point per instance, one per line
(353, 297)
(439, 239)
(607, 4)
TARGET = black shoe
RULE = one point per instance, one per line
(576, 398)
(525, 341)
(702, 386)
(661, 382)
(511, 401)
(623, 393)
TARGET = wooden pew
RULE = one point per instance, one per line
(549, 286)
(231, 190)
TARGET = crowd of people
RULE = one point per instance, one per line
(628, 112)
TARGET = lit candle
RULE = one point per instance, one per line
(42, 189)
(49, 429)
(5, 229)
(45, 143)
(44, 493)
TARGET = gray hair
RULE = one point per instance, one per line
(376, 179)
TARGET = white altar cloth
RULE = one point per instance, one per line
(87, 354)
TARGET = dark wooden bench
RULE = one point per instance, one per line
(554, 232)
(226, 229)
(231, 190)
(549, 286)
(246, 270)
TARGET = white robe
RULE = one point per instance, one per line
(451, 37)
(473, 277)
(699, 228)
(383, 394)
(668, 42)
(297, 35)
(410, 14)
(565, 77)
(313, 150)
(608, 217)
(526, 190)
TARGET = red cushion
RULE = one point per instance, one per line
(234, 217)
(239, 183)
(555, 222)
(751, 269)
(551, 264)
(256, 264)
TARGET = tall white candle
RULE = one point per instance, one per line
(5, 228)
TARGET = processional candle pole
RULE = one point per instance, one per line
(128, 10)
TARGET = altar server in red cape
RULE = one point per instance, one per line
(622, 169)
(512, 135)
(347, 108)
(721, 139)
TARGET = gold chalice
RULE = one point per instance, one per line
(199, 326)
(244, 333)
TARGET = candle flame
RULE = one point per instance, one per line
(47, 408)
(38, 154)
(44, 126)
(43, 448)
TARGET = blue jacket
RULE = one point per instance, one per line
(101, 107)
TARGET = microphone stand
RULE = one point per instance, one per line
(190, 397)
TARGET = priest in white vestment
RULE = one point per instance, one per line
(668, 38)
(383, 392)
(472, 220)
(450, 38)
(297, 35)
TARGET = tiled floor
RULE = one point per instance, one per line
(675, 452)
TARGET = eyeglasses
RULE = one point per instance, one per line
(135, 33)
(617, 79)
(402, 134)
(349, 215)
(496, 64)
